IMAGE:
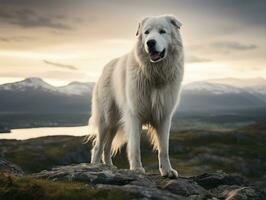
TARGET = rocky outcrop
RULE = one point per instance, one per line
(215, 186)
(10, 168)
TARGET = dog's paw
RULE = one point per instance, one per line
(170, 173)
(139, 170)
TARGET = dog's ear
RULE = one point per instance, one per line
(138, 30)
(173, 20)
(140, 25)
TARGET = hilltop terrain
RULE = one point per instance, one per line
(192, 152)
(86, 181)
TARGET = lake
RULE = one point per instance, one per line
(27, 133)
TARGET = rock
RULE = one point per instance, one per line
(10, 168)
(238, 193)
(184, 187)
(213, 180)
(212, 186)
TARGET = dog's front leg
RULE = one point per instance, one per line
(133, 130)
(163, 132)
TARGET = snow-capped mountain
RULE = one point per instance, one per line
(215, 88)
(74, 88)
(220, 86)
(254, 85)
(224, 94)
(257, 89)
(35, 95)
(29, 83)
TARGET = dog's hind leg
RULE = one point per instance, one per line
(107, 151)
(97, 150)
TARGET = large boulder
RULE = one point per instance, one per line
(152, 186)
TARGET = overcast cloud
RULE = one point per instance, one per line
(229, 33)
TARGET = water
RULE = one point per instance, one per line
(27, 133)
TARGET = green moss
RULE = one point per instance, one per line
(26, 188)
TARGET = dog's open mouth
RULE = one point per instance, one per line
(156, 56)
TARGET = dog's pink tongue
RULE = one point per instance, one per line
(155, 56)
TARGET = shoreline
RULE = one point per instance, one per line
(5, 130)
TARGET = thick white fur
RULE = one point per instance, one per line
(134, 91)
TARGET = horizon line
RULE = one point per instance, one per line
(65, 83)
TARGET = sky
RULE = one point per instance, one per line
(65, 40)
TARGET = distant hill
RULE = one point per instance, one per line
(192, 152)
(212, 95)
(33, 95)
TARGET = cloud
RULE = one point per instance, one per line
(234, 46)
(70, 67)
(64, 75)
(28, 18)
(196, 59)
(248, 12)
(15, 39)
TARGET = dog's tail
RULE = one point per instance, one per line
(92, 132)
(152, 135)
(118, 141)
(94, 119)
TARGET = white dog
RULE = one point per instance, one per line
(140, 88)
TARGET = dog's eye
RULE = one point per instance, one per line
(147, 32)
(162, 31)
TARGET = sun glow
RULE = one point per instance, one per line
(203, 71)
(35, 55)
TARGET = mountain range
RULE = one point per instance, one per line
(224, 94)
(33, 95)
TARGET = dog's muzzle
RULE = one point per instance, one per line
(155, 55)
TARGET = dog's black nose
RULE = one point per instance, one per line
(151, 43)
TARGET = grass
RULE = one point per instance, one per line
(192, 152)
(38, 154)
(25, 188)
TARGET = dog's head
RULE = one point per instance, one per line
(159, 35)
